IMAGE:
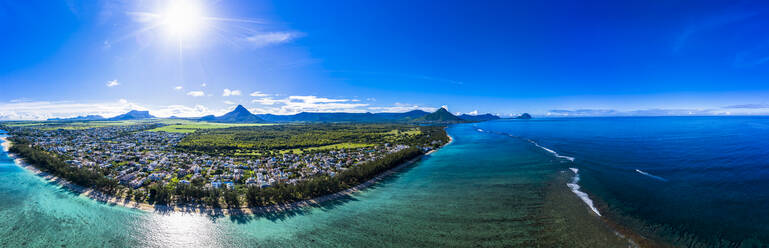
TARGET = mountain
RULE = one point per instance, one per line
(413, 114)
(80, 118)
(524, 116)
(478, 118)
(239, 115)
(345, 117)
(440, 116)
(132, 115)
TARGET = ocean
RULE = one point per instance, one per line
(578, 182)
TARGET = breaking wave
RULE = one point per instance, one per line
(574, 186)
(553, 152)
(650, 175)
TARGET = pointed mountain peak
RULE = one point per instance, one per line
(441, 115)
(239, 115)
(240, 108)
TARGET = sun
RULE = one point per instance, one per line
(183, 19)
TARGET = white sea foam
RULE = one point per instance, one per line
(650, 175)
(574, 186)
(553, 152)
(480, 130)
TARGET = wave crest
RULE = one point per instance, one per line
(650, 175)
(575, 188)
(553, 152)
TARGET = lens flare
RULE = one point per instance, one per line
(183, 18)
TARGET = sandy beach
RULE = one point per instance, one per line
(197, 208)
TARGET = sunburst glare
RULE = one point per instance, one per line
(183, 18)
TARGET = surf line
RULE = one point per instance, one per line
(553, 152)
(650, 175)
(575, 188)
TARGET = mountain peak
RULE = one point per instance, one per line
(238, 115)
(240, 108)
(138, 112)
(441, 116)
(133, 115)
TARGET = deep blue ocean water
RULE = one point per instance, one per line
(683, 180)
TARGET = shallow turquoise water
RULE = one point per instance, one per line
(483, 189)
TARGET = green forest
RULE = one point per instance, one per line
(266, 139)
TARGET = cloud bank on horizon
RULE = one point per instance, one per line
(201, 57)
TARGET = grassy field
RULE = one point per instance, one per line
(327, 147)
(303, 138)
(311, 149)
(191, 127)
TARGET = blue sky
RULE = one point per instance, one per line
(68, 58)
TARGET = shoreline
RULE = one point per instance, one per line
(198, 208)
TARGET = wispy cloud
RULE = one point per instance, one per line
(228, 92)
(415, 77)
(755, 56)
(258, 94)
(271, 38)
(400, 108)
(640, 112)
(706, 24)
(196, 93)
(296, 104)
(748, 106)
(112, 83)
(42, 110)
(178, 88)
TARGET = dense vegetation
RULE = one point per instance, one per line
(325, 185)
(47, 162)
(263, 136)
(262, 139)
(280, 193)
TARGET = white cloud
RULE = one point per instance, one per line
(266, 101)
(196, 93)
(229, 102)
(296, 104)
(185, 111)
(178, 88)
(445, 106)
(41, 110)
(228, 92)
(400, 108)
(23, 99)
(203, 85)
(475, 112)
(258, 94)
(112, 83)
(266, 39)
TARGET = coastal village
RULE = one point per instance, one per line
(137, 158)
